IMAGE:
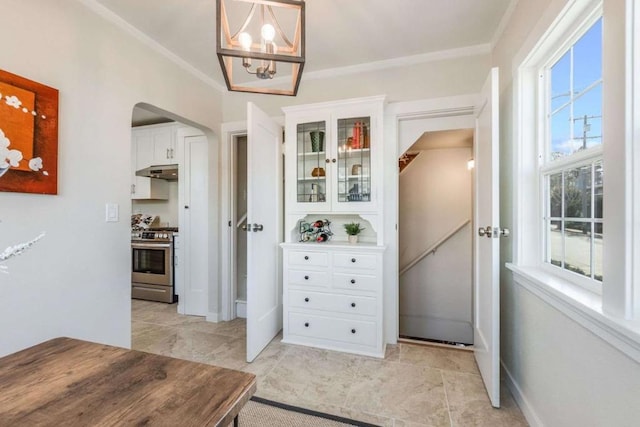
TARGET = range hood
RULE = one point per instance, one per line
(166, 172)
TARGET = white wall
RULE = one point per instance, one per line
(563, 374)
(442, 78)
(76, 281)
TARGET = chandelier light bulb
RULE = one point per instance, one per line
(245, 40)
(268, 32)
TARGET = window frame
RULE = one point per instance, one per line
(614, 315)
(547, 58)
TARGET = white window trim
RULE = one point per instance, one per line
(610, 316)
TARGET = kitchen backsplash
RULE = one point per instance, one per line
(165, 210)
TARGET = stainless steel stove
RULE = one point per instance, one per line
(152, 273)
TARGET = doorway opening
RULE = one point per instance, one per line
(435, 209)
(169, 176)
(239, 222)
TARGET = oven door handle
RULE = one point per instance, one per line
(150, 245)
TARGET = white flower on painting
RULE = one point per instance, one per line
(35, 164)
(45, 173)
(13, 101)
(8, 157)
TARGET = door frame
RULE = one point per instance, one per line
(228, 281)
(455, 112)
(230, 132)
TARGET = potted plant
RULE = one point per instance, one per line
(353, 229)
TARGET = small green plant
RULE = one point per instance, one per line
(353, 228)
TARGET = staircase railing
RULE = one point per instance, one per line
(433, 248)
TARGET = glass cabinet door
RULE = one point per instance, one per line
(311, 169)
(354, 160)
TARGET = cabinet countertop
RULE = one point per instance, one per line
(334, 245)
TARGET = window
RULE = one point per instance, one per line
(571, 170)
(577, 105)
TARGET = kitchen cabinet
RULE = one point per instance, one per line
(143, 188)
(333, 297)
(332, 155)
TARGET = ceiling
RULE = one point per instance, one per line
(459, 138)
(340, 33)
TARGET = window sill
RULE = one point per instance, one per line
(582, 306)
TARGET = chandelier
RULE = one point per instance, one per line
(265, 54)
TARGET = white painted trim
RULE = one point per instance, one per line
(581, 306)
(504, 21)
(386, 64)
(401, 62)
(212, 317)
(110, 16)
(229, 131)
(518, 395)
(433, 108)
(633, 129)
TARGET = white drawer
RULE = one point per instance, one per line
(331, 328)
(317, 259)
(308, 278)
(333, 302)
(355, 282)
(355, 260)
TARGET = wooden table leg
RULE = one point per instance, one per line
(235, 421)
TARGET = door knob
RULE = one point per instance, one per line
(485, 231)
(257, 227)
(493, 232)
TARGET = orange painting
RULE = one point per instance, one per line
(28, 136)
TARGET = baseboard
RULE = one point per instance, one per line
(212, 317)
(518, 395)
(241, 309)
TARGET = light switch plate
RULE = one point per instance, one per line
(112, 214)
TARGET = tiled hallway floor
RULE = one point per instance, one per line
(414, 386)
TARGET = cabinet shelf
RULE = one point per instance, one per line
(313, 178)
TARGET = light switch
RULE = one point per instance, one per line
(112, 212)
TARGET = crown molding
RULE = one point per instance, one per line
(110, 16)
(502, 25)
(405, 61)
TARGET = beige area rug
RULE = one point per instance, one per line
(260, 412)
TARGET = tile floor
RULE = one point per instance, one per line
(413, 386)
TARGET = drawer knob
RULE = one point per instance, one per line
(306, 277)
(306, 299)
(353, 281)
(353, 331)
(306, 257)
(353, 260)
(306, 324)
(353, 304)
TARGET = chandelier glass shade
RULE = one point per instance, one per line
(260, 45)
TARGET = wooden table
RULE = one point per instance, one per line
(69, 382)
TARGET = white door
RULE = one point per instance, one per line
(486, 337)
(264, 219)
(194, 220)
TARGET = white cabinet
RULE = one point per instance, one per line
(332, 156)
(333, 290)
(333, 297)
(143, 188)
(152, 145)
